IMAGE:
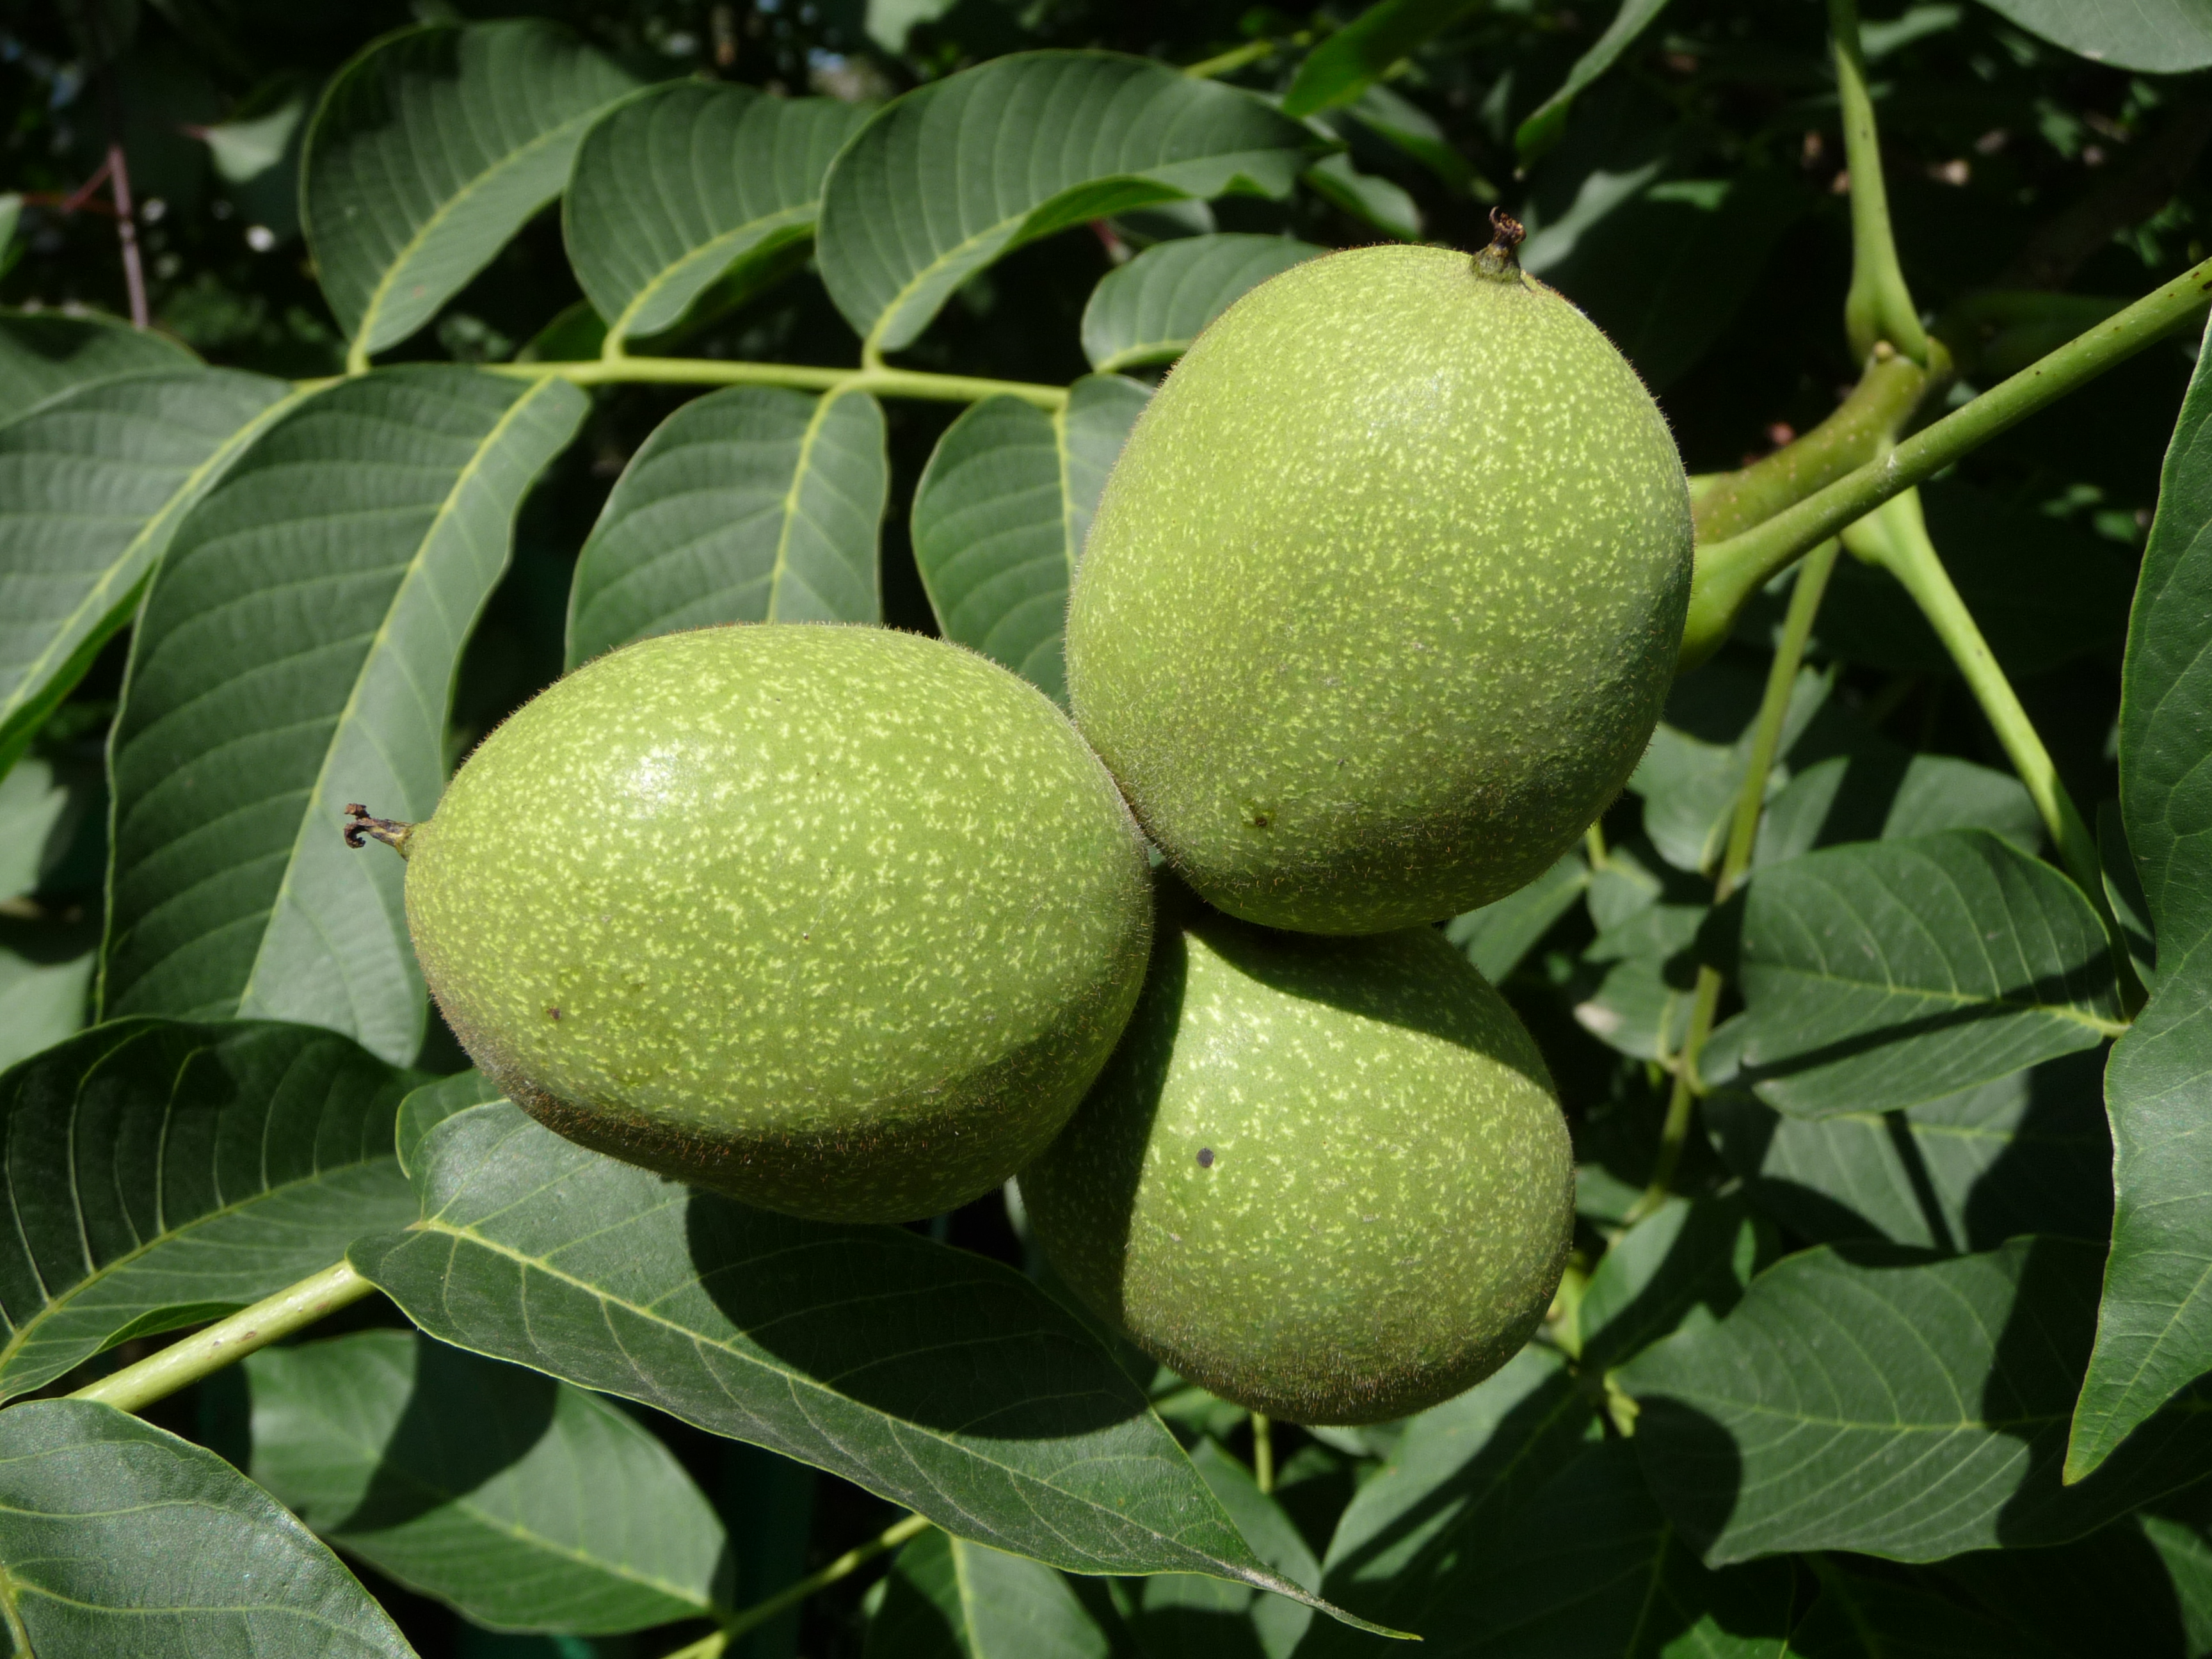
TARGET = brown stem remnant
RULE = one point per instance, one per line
(390, 831)
(1498, 259)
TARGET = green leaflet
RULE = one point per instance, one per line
(162, 1174)
(429, 151)
(296, 654)
(751, 504)
(936, 1379)
(942, 181)
(1002, 513)
(689, 183)
(117, 1537)
(526, 1504)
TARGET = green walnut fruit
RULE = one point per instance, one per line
(840, 920)
(1326, 1178)
(1384, 594)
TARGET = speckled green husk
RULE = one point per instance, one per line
(840, 920)
(1383, 597)
(1326, 1179)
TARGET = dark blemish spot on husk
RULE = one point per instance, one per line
(1206, 1157)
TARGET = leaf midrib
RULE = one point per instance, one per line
(797, 1381)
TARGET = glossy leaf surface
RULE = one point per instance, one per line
(938, 1379)
(161, 1174)
(92, 489)
(119, 1538)
(1879, 974)
(1150, 310)
(1001, 514)
(296, 653)
(750, 504)
(682, 185)
(525, 1503)
(1861, 1398)
(429, 151)
(2154, 1330)
(944, 179)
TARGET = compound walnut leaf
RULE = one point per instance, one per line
(161, 1174)
(429, 151)
(296, 653)
(943, 180)
(936, 1379)
(690, 183)
(524, 1502)
(117, 1537)
(750, 504)
(1001, 514)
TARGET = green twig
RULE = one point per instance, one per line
(1865, 424)
(1729, 572)
(1895, 537)
(706, 371)
(1235, 59)
(1263, 1452)
(792, 1594)
(1879, 305)
(228, 1340)
(1735, 862)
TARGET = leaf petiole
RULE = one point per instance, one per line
(1895, 536)
(1878, 307)
(228, 1340)
(876, 377)
(1729, 571)
(1743, 838)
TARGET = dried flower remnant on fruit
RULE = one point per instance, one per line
(1499, 258)
(360, 827)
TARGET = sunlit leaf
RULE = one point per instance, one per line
(957, 171)
(2154, 1329)
(117, 1537)
(751, 504)
(684, 184)
(935, 1378)
(161, 1174)
(429, 151)
(296, 653)
(526, 1504)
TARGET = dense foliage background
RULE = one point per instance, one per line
(1857, 1452)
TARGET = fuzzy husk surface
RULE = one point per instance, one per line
(1325, 1178)
(840, 920)
(1383, 596)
